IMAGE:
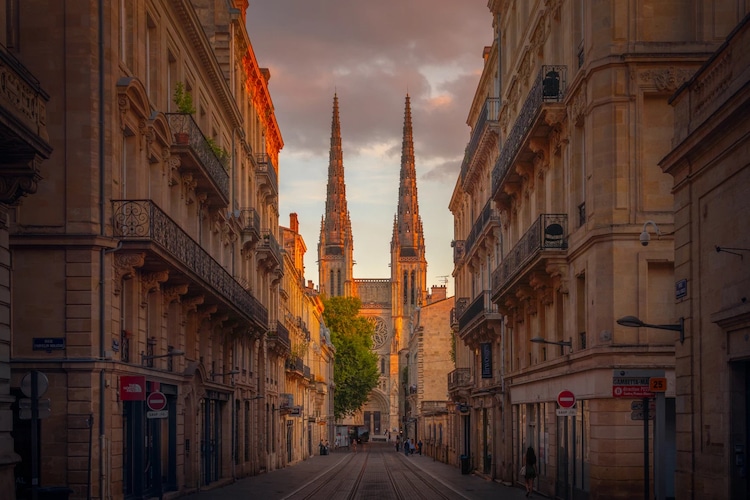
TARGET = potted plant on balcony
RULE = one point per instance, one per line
(184, 101)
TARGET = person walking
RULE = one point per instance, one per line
(530, 473)
(419, 447)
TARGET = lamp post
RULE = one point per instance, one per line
(660, 423)
(634, 322)
(561, 343)
(148, 357)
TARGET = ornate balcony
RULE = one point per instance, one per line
(23, 129)
(480, 321)
(142, 226)
(484, 138)
(278, 338)
(546, 239)
(268, 251)
(539, 114)
(265, 174)
(249, 227)
(198, 158)
(488, 219)
(460, 378)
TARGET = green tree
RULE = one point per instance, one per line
(355, 366)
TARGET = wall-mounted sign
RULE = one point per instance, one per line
(680, 289)
(48, 343)
(132, 388)
(486, 351)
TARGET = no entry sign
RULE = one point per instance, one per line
(156, 401)
(566, 399)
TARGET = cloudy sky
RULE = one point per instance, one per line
(371, 54)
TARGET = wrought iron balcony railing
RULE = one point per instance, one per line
(144, 221)
(198, 155)
(266, 174)
(250, 226)
(269, 251)
(454, 318)
(481, 306)
(459, 378)
(487, 216)
(549, 86)
(548, 232)
(461, 304)
(487, 117)
(280, 335)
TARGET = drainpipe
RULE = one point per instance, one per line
(102, 381)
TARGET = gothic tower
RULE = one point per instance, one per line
(408, 263)
(336, 246)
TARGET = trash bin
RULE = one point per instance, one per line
(53, 493)
(464, 464)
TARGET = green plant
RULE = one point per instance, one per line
(220, 152)
(183, 99)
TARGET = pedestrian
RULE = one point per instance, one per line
(530, 470)
(406, 447)
(354, 445)
(411, 447)
(419, 446)
(322, 447)
(398, 444)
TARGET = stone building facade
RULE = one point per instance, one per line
(428, 364)
(24, 145)
(560, 178)
(709, 165)
(149, 269)
(309, 367)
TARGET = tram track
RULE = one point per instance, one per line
(382, 475)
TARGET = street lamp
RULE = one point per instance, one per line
(230, 372)
(633, 322)
(174, 352)
(561, 343)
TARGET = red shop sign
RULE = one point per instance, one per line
(132, 388)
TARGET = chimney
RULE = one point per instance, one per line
(438, 293)
(293, 222)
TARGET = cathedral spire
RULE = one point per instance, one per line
(408, 262)
(409, 223)
(335, 250)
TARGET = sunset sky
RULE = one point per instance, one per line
(371, 54)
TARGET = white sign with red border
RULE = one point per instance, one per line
(566, 401)
(157, 403)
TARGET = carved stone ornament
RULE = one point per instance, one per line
(666, 79)
(125, 264)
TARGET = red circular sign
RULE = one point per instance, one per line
(156, 401)
(566, 399)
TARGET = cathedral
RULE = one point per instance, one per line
(388, 302)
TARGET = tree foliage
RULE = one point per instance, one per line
(355, 365)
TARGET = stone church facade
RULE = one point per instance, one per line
(388, 302)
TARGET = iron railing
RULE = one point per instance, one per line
(488, 215)
(183, 125)
(548, 232)
(280, 334)
(482, 304)
(488, 115)
(143, 220)
(549, 86)
(266, 168)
